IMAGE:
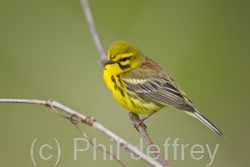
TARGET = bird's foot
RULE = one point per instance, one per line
(137, 121)
(136, 126)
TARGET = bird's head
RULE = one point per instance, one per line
(122, 57)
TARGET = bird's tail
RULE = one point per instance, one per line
(205, 121)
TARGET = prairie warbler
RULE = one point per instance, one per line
(142, 86)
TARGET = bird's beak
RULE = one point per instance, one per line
(110, 61)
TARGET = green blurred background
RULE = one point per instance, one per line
(46, 51)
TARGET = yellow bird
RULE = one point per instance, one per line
(142, 86)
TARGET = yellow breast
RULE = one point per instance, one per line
(126, 98)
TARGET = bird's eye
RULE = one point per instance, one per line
(124, 59)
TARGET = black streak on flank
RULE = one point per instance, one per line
(120, 81)
(116, 86)
(114, 81)
(120, 87)
(121, 91)
(132, 103)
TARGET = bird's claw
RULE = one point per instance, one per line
(136, 126)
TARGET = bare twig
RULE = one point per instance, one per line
(90, 21)
(54, 104)
(94, 145)
(124, 144)
(141, 128)
(89, 121)
(103, 56)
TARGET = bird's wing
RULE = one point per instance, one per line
(159, 89)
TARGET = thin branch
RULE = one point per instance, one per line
(90, 21)
(141, 128)
(99, 148)
(94, 145)
(90, 121)
(124, 144)
(103, 56)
